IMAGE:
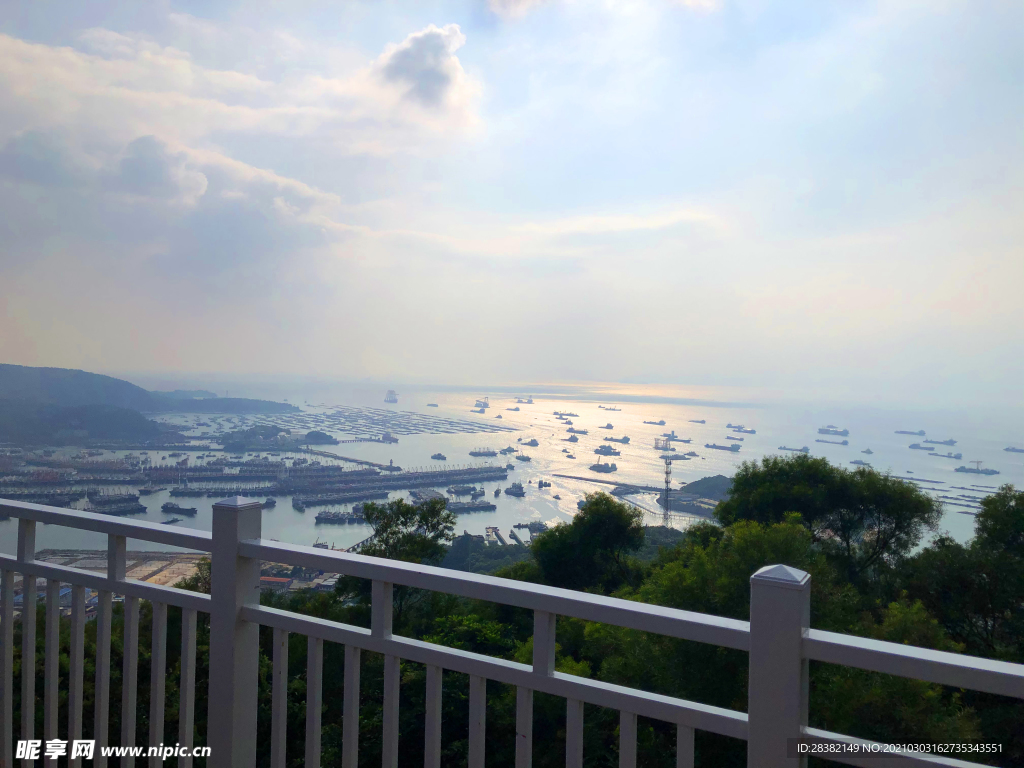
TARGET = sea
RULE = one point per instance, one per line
(453, 428)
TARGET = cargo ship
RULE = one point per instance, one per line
(608, 408)
(478, 452)
(659, 423)
(604, 468)
(919, 433)
(483, 403)
(607, 450)
(805, 449)
(461, 490)
(431, 405)
(833, 442)
(459, 507)
(623, 440)
(977, 470)
(919, 447)
(697, 421)
(730, 437)
(950, 443)
(575, 431)
(522, 457)
(171, 508)
(733, 447)
(948, 455)
(860, 463)
(832, 429)
(513, 409)
(439, 457)
(1011, 449)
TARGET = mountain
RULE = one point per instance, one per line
(715, 488)
(66, 387)
(25, 422)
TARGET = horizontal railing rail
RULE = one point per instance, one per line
(778, 640)
(671, 622)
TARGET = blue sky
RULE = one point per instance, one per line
(823, 198)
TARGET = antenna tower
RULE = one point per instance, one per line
(668, 487)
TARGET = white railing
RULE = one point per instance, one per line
(777, 637)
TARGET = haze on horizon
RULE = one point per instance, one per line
(825, 199)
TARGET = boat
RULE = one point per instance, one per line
(575, 431)
(298, 506)
(439, 457)
(950, 443)
(690, 453)
(603, 468)
(868, 451)
(832, 429)
(483, 452)
(730, 437)
(977, 470)
(431, 405)
(745, 431)
(919, 447)
(572, 439)
(697, 421)
(497, 492)
(527, 401)
(482, 402)
(513, 409)
(805, 449)
(1011, 449)
(543, 484)
(948, 455)
(391, 396)
(673, 457)
(608, 408)
(522, 457)
(510, 465)
(919, 433)
(860, 463)
(556, 496)
(477, 493)
(833, 442)
(516, 489)
(607, 426)
(567, 414)
(532, 443)
(269, 503)
(569, 456)
(659, 423)
(171, 508)
(471, 506)
(624, 440)
(731, 447)
(172, 521)
(498, 416)
(462, 490)
(607, 450)
(477, 410)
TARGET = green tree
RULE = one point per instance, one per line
(592, 551)
(865, 521)
(415, 533)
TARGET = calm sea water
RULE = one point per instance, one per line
(979, 438)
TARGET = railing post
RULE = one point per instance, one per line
(780, 612)
(234, 644)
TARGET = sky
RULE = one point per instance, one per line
(821, 199)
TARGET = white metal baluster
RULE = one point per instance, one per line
(187, 699)
(392, 682)
(350, 711)
(684, 746)
(51, 669)
(524, 727)
(627, 740)
(76, 671)
(573, 733)
(477, 720)
(6, 667)
(101, 699)
(432, 724)
(279, 702)
(158, 681)
(26, 554)
(381, 616)
(314, 699)
(129, 677)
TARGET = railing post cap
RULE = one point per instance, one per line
(782, 576)
(237, 503)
